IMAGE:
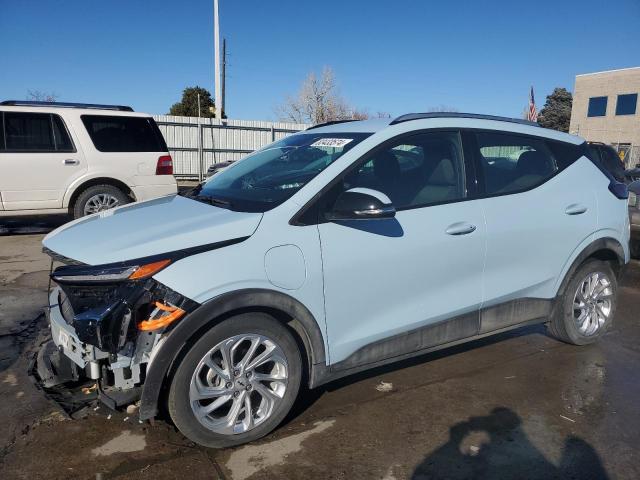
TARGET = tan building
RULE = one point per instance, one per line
(605, 109)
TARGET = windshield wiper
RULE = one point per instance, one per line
(216, 202)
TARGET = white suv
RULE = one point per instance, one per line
(79, 158)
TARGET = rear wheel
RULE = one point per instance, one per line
(98, 198)
(237, 382)
(588, 305)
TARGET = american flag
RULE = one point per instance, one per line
(532, 113)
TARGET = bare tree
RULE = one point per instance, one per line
(363, 114)
(318, 101)
(442, 108)
(38, 96)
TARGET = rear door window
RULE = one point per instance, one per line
(513, 163)
(124, 134)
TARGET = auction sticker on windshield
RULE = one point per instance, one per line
(332, 142)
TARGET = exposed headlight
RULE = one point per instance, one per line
(113, 273)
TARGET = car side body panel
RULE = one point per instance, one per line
(386, 277)
(39, 180)
(208, 275)
(531, 235)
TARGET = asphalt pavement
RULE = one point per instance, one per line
(520, 405)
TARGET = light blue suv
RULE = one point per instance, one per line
(340, 248)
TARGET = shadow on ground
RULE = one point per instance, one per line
(28, 225)
(495, 446)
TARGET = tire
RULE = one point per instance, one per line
(101, 197)
(207, 432)
(635, 249)
(566, 323)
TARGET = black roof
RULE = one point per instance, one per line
(31, 103)
(333, 122)
(419, 116)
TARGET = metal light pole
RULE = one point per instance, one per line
(217, 70)
(223, 97)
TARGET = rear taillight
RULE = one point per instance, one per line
(164, 165)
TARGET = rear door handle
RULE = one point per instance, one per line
(460, 228)
(575, 209)
(71, 161)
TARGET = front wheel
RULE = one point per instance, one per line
(237, 382)
(586, 309)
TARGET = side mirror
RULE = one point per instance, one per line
(634, 187)
(361, 204)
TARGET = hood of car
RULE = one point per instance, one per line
(163, 225)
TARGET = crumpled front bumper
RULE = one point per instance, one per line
(64, 337)
(106, 328)
(65, 360)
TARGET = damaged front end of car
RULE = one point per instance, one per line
(106, 323)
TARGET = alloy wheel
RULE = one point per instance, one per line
(238, 384)
(100, 202)
(593, 303)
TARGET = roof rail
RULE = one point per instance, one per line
(32, 103)
(326, 124)
(419, 116)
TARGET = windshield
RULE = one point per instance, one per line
(268, 177)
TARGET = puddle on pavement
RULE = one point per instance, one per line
(248, 460)
(126, 442)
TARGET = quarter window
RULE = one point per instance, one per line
(626, 104)
(61, 136)
(612, 162)
(35, 132)
(513, 163)
(597, 107)
(418, 170)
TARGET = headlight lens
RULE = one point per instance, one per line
(107, 273)
(633, 199)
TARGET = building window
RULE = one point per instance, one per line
(597, 107)
(626, 104)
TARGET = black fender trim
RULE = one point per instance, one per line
(216, 309)
(599, 245)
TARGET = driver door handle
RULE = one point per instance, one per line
(575, 209)
(460, 228)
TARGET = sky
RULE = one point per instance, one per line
(395, 56)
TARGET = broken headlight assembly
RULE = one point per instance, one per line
(108, 305)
